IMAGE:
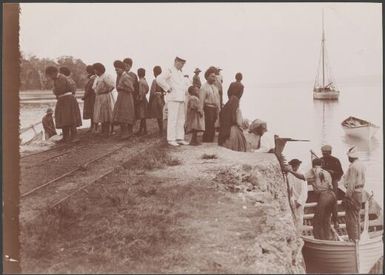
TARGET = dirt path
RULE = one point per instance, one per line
(166, 210)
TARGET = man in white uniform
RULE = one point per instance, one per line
(174, 82)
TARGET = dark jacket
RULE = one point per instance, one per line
(332, 165)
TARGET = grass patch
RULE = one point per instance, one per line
(116, 226)
(155, 158)
(209, 156)
(48, 227)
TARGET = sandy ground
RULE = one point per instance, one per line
(200, 209)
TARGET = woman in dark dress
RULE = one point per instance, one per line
(124, 112)
(142, 103)
(67, 112)
(231, 134)
(89, 98)
(156, 102)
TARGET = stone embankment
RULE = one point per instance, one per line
(197, 209)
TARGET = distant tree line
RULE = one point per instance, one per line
(32, 71)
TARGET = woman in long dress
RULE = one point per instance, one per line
(156, 102)
(124, 112)
(104, 105)
(142, 103)
(67, 112)
(89, 98)
(231, 121)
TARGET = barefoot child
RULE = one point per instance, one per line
(194, 121)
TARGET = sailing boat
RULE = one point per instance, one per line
(324, 86)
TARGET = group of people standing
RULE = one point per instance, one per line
(324, 176)
(101, 107)
(190, 106)
(131, 104)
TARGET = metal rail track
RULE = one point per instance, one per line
(83, 166)
(79, 167)
(52, 205)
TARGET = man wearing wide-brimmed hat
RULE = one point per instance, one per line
(174, 82)
(354, 181)
(196, 79)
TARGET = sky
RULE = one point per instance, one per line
(270, 43)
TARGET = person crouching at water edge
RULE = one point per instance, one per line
(209, 96)
(104, 104)
(173, 82)
(257, 139)
(48, 124)
(298, 191)
(322, 185)
(354, 181)
(194, 120)
(67, 112)
(124, 112)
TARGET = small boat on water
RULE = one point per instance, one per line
(343, 256)
(324, 86)
(359, 128)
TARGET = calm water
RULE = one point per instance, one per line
(292, 112)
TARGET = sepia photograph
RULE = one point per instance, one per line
(193, 138)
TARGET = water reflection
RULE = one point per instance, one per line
(365, 147)
(324, 115)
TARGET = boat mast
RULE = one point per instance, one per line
(323, 54)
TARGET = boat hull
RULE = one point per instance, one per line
(340, 257)
(366, 132)
(359, 128)
(332, 256)
(326, 95)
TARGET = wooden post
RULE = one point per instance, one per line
(357, 247)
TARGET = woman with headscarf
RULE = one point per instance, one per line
(124, 112)
(255, 142)
(104, 104)
(210, 100)
(89, 98)
(156, 101)
(231, 121)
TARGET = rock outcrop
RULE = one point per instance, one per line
(255, 178)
